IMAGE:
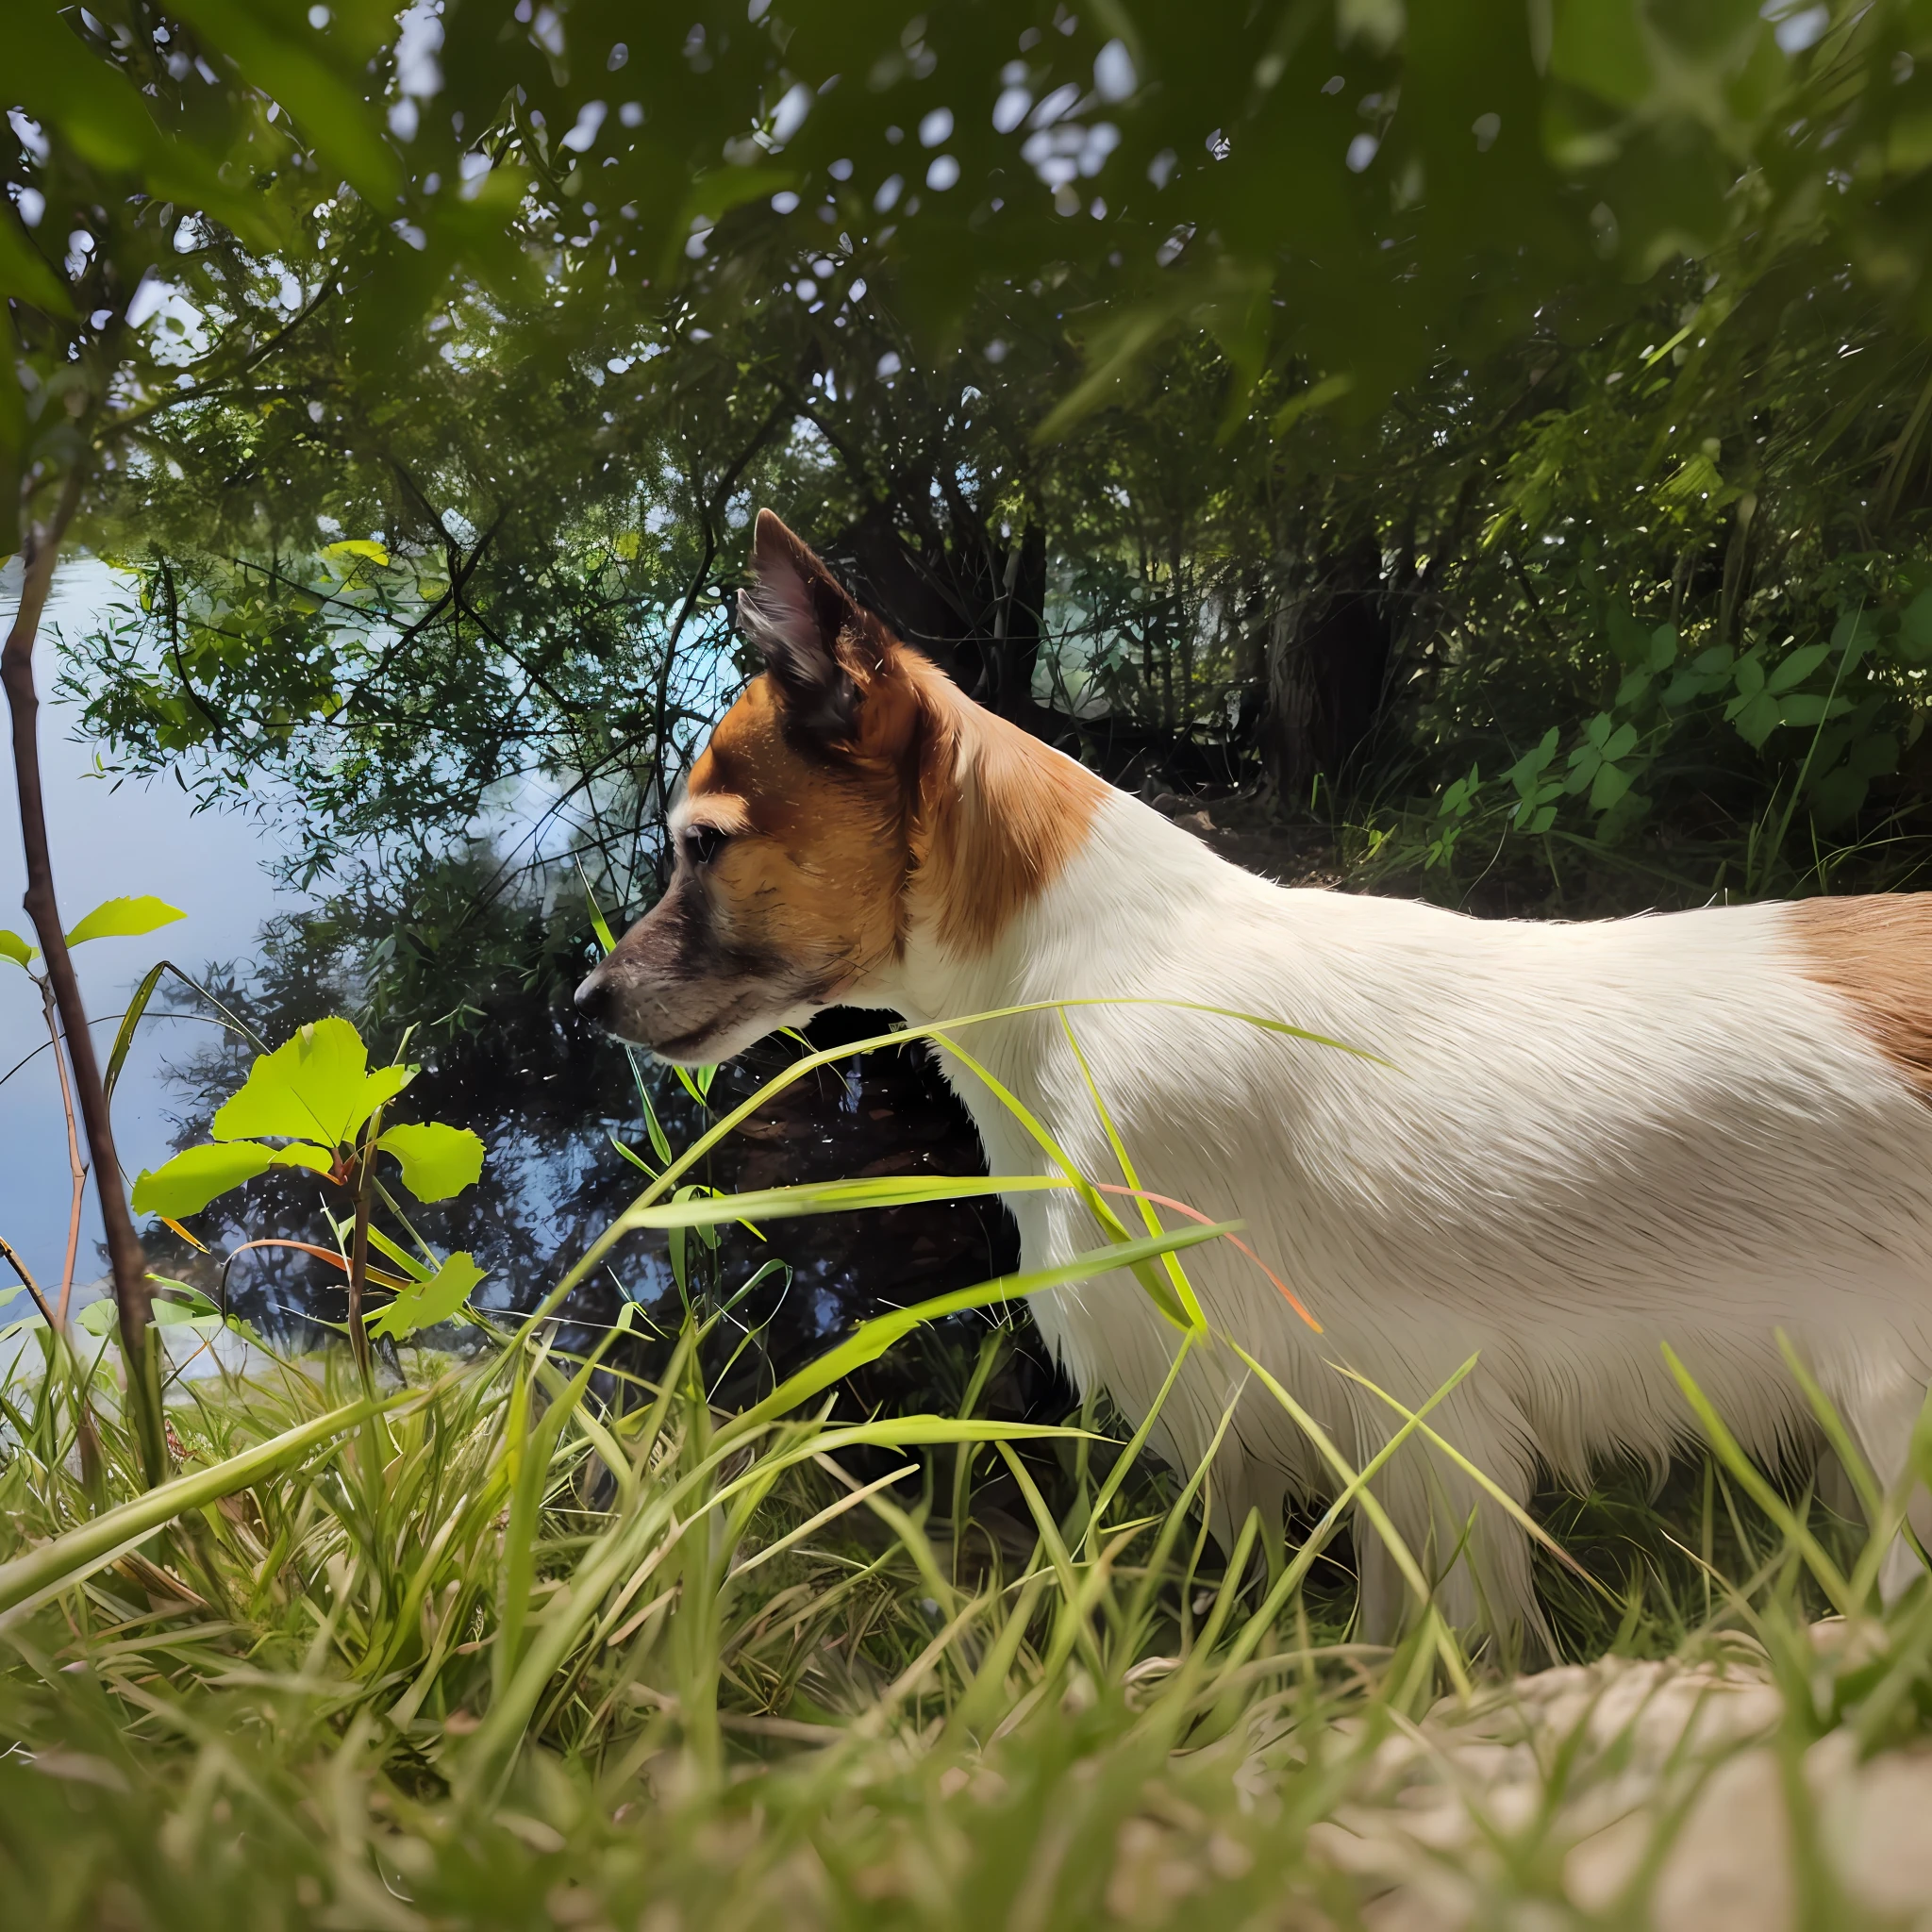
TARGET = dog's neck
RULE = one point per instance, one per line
(1034, 880)
(996, 820)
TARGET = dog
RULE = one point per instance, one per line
(1553, 1146)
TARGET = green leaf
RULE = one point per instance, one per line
(1524, 773)
(1915, 630)
(269, 46)
(1854, 634)
(25, 276)
(1793, 671)
(358, 546)
(15, 948)
(1811, 708)
(1663, 646)
(1611, 783)
(438, 1161)
(124, 919)
(1628, 639)
(123, 1036)
(1749, 675)
(1757, 718)
(1598, 45)
(1838, 796)
(188, 1182)
(426, 1303)
(315, 1087)
(303, 1155)
(1621, 743)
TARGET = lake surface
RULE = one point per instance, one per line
(546, 1093)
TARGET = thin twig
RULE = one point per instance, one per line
(26, 1280)
(75, 1165)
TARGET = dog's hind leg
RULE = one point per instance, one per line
(1466, 1546)
(1880, 1402)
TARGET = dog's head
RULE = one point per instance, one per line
(851, 791)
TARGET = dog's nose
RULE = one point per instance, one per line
(593, 996)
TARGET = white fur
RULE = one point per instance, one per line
(1591, 1138)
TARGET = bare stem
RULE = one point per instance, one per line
(129, 1265)
(76, 1167)
(359, 1244)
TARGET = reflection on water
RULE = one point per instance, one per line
(547, 1094)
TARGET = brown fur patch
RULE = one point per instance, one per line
(938, 808)
(1876, 954)
(999, 813)
(813, 872)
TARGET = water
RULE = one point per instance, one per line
(545, 1092)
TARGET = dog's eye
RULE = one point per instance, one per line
(703, 843)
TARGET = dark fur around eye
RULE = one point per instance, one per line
(703, 843)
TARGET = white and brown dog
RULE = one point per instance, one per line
(1580, 1140)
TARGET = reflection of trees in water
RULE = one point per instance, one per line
(546, 1093)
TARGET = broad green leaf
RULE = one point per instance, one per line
(438, 1161)
(1791, 672)
(15, 948)
(1915, 630)
(97, 1318)
(426, 1303)
(1854, 634)
(273, 53)
(188, 1182)
(315, 1087)
(1663, 646)
(1811, 708)
(1611, 783)
(1757, 718)
(303, 1155)
(124, 919)
(25, 276)
(1838, 796)
(1529, 767)
(358, 546)
(1598, 45)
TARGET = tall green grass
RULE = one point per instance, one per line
(529, 1639)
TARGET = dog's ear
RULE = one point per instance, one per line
(811, 635)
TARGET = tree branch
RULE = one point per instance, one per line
(125, 1255)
